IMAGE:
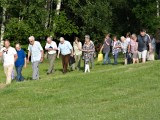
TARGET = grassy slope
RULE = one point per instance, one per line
(107, 93)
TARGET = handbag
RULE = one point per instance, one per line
(100, 57)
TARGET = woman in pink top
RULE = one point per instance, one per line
(134, 48)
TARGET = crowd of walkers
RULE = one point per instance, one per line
(135, 49)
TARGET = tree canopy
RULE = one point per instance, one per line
(76, 18)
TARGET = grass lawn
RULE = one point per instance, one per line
(108, 92)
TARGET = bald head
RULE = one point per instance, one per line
(49, 40)
(62, 40)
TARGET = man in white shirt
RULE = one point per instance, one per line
(51, 47)
(9, 57)
(66, 50)
(35, 50)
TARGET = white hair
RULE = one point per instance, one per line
(123, 38)
(31, 38)
(61, 38)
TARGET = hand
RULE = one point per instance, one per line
(41, 60)
(27, 60)
(25, 66)
(72, 55)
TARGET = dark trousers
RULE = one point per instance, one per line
(65, 62)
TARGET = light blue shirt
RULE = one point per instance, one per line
(35, 50)
(65, 48)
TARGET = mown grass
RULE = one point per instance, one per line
(109, 92)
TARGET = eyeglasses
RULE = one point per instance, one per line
(5, 51)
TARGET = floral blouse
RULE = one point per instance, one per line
(88, 55)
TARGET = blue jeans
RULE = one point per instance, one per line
(106, 58)
(19, 73)
(115, 58)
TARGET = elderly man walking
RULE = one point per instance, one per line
(20, 62)
(35, 50)
(9, 57)
(51, 47)
(66, 50)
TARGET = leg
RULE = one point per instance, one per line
(115, 58)
(144, 55)
(105, 58)
(9, 73)
(92, 61)
(78, 61)
(18, 74)
(63, 62)
(51, 58)
(66, 61)
(35, 69)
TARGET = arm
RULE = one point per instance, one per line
(42, 54)
(29, 54)
(80, 46)
(25, 62)
(15, 57)
(102, 48)
(0, 54)
(58, 53)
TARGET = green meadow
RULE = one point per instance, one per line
(108, 92)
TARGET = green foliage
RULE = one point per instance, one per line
(64, 26)
(17, 30)
(78, 17)
(145, 12)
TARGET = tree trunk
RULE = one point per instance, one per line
(3, 27)
(157, 8)
(58, 7)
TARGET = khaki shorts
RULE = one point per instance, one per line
(142, 54)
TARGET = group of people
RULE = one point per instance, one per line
(133, 47)
(16, 57)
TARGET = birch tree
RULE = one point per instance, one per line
(3, 26)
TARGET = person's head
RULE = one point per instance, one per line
(18, 46)
(123, 38)
(115, 38)
(142, 32)
(134, 37)
(108, 35)
(31, 40)
(128, 35)
(7, 43)
(151, 36)
(62, 40)
(76, 39)
(87, 38)
(49, 40)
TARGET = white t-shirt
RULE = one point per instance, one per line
(8, 56)
(128, 40)
(51, 45)
(35, 51)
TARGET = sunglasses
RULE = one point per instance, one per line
(5, 51)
